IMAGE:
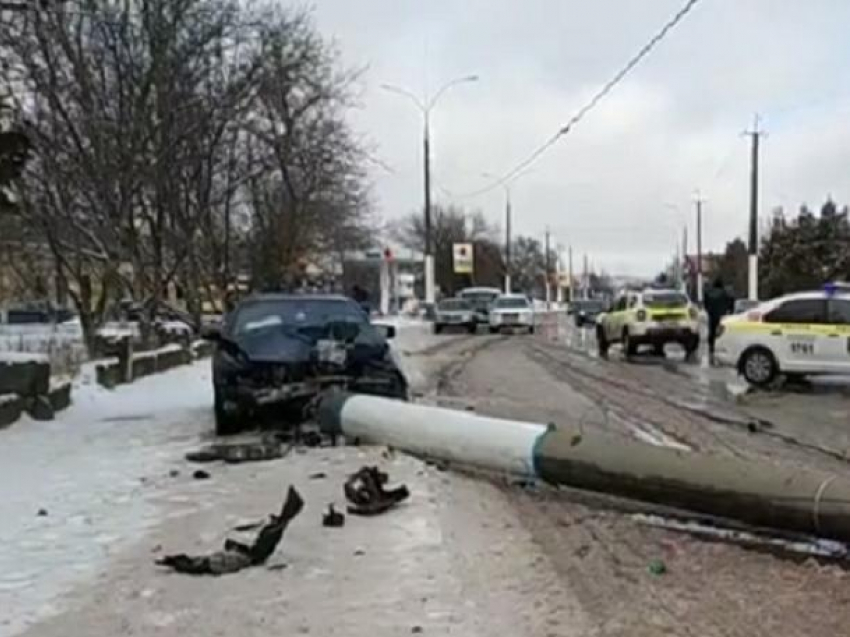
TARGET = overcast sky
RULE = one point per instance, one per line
(621, 185)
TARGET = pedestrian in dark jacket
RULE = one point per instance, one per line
(718, 303)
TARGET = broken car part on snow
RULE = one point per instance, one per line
(235, 556)
(748, 490)
(366, 493)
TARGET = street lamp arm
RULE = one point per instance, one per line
(447, 86)
(400, 91)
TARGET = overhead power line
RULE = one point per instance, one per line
(597, 97)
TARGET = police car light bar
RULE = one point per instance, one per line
(836, 286)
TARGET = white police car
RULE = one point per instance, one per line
(799, 334)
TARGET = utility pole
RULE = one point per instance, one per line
(585, 280)
(507, 240)
(684, 258)
(548, 269)
(429, 253)
(753, 249)
(699, 203)
(570, 273)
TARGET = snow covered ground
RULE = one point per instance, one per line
(89, 471)
(101, 475)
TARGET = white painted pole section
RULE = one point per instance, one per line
(754, 277)
(459, 436)
(385, 287)
(430, 293)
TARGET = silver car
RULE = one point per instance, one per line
(455, 312)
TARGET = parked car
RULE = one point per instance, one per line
(797, 335)
(481, 299)
(586, 311)
(455, 312)
(742, 305)
(511, 311)
(649, 317)
(275, 352)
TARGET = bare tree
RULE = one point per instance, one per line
(169, 135)
(449, 225)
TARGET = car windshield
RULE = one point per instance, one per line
(452, 305)
(479, 297)
(588, 306)
(664, 300)
(294, 314)
(512, 303)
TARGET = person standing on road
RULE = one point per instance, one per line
(718, 303)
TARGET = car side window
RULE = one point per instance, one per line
(620, 305)
(839, 312)
(799, 311)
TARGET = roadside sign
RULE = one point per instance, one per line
(463, 263)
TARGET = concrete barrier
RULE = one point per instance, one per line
(24, 374)
(109, 373)
(11, 408)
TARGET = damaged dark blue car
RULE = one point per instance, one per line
(276, 352)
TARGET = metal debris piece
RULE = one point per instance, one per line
(235, 556)
(366, 493)
(333, 518)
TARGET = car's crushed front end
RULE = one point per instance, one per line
(279, 375)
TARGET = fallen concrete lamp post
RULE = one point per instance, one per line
(750, 491)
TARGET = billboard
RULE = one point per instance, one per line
(462, 253)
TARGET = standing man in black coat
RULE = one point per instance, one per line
(718, 303)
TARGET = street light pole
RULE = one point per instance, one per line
(507, 240)
(425, 108)
(700, 284)
(429, 248)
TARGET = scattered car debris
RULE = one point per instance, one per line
(366, 493)
(42, 513)
(200, 474)
(234, 453)
(319, 475)
(236, 556)
(248, 526)
(174, 473)
(333, 518)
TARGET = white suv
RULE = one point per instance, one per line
(799, 334)
(649, 317)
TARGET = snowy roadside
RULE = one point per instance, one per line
(101, 472)
(87, 471)
(451, 559)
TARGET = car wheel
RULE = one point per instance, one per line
(758, 366)
(472, 328)
(226, 424)
(494, 330)
(437, 328)
(629, 346)
(531, 329)
(602, 342)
